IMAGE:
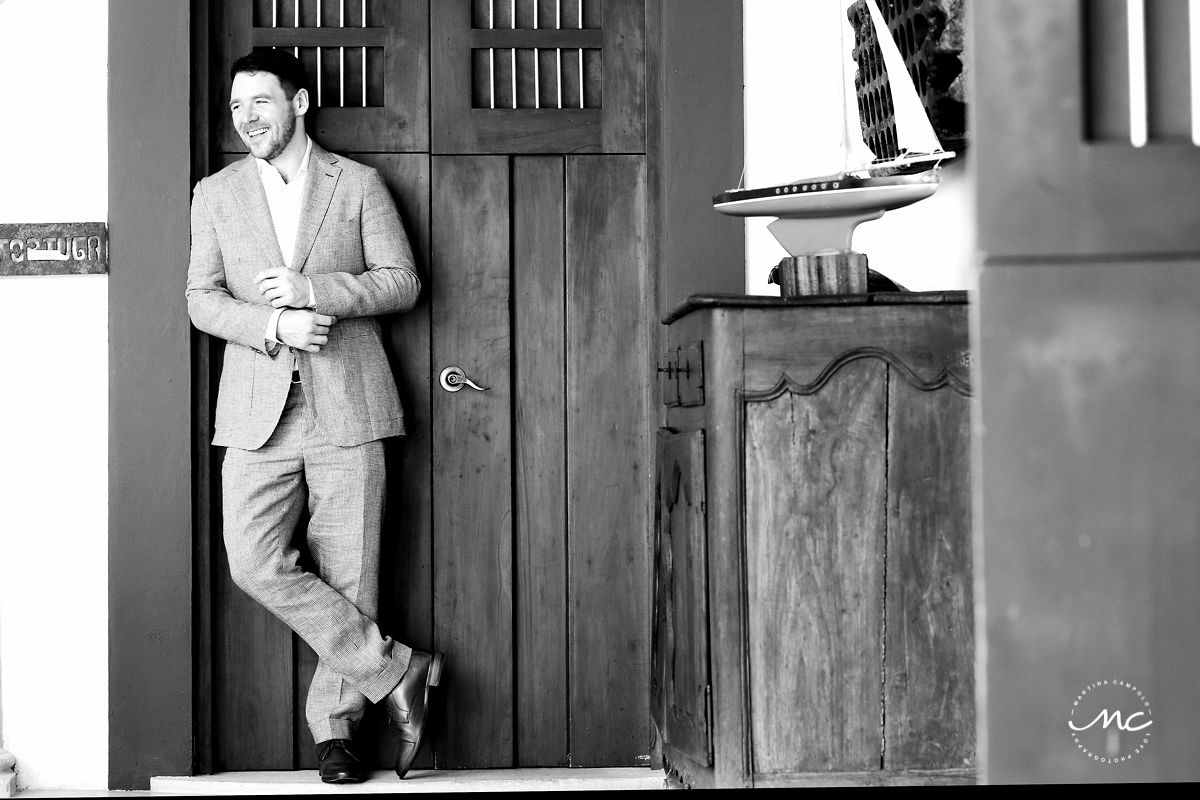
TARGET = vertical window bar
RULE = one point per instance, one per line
(342, 58)
(1138, 119)
(492, 53)
(274, 13)
(320, 62)
(364, 57)
(512, 8)
(558, 50)
(296, 23)
(1194, 58)
(580, 53)
(537, 80)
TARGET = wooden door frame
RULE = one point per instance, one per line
(159, 689)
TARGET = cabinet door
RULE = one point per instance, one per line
(680, 678)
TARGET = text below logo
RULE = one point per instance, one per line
(1111, 721)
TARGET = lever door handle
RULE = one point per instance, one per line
(453, 379)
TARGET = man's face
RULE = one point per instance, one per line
(262, 114)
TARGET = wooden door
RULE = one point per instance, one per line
(517, 532)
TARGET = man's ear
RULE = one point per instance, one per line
(300, 102)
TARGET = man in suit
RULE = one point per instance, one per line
(294, 252)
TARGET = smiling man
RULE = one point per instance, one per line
(294, 252)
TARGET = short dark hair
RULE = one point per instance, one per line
(280, 63)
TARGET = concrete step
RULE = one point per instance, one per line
(417, 782)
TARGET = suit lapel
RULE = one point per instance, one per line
(250, 195)
(323, 174)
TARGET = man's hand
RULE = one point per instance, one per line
(304, 330)
(285, 288)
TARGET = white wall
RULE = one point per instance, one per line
(793, 121)
(54, 402)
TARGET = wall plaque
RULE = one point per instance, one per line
(54, 248)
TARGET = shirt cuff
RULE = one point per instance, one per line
(271, 334)
(312, 296)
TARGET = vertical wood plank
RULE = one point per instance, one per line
(609, 458)
(624, 70)
(929, 700)
(540, 455)
(472, 442)
(1168, 70)
(253, 688)
(814, 484)
(680, 657)
(406, 553)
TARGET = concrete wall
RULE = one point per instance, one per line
(793, 113)
(54, 403)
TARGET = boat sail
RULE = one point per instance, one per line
(819, 214)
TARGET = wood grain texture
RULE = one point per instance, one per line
(253, 697)
(916, 335)
(472, 466)
(406, 547)
(609, 458)
(680, 658)
(539, 291)
(399, 124)
(929, 688)
(815, 482)
(462, 122)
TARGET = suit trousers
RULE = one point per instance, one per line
(334, 610)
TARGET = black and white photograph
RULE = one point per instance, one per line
(427, 396)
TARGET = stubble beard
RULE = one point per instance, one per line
(287, 131)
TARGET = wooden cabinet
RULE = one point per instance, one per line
(813, 597)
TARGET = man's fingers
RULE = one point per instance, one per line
(270, 272)
(324, 319)
(278, 302)
(320, 329)
(321, 340)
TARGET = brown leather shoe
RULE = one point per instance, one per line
(338, 762)
(409, 701)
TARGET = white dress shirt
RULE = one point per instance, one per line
(285, 199)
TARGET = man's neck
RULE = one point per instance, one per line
(291, 159)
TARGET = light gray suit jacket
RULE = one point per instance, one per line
(351, 243)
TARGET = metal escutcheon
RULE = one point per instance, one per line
(453, 379)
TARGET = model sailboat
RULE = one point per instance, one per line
(819, 214)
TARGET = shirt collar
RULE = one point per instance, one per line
(264, 165)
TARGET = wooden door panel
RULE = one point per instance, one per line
(540, 455)
(609, 458)
(368, 68)
(567, 82)
(928, 696)
(815, 486)
(680, 673)
(472, 464)
(252, 694)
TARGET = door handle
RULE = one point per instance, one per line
(453, 379)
